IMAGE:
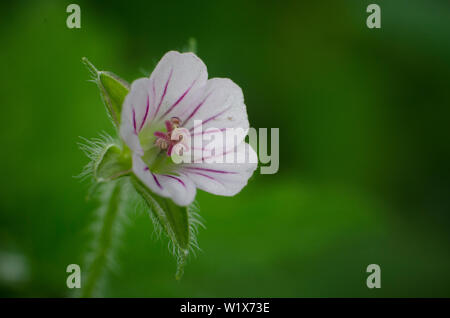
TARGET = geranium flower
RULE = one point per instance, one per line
(160, 116)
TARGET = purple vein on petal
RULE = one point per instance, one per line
(210, 118)
(206, 176)
(196, 109)
(154, 177)
(173, 177)
(164, 93)
(156, 180)
(210, 170)
(220, 154)
(134, 120)
(203, 175)
(208, 131)
(146, 113)
(179, 99)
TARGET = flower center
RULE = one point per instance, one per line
(175, 139)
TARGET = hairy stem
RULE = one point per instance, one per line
(104, 241)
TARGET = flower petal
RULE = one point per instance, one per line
(135, 111)
(222, 178)
(175, 81)
(221, 105)
(221, 109)
(177, 187)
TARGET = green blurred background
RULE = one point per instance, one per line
(364, 146)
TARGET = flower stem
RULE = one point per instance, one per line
(104, 241)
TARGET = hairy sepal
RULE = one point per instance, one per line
(113, 90)
(112, 164)
(177, 222)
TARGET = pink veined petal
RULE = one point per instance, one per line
(135, 112)
(221, 105)
(179, 188)
(221, 109)
(224, 178)
(175, 81)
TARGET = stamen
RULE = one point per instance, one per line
(173, 137)
(176, 121)
(169, 126)
(161, 135)
(169, 150)
(162, 143)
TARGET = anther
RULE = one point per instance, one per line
(175, 121)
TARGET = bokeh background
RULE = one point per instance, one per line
(364, 146)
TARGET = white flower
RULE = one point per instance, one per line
(158, 118)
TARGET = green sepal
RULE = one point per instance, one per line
(176, 222)
(113, 90)
(112, 164)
